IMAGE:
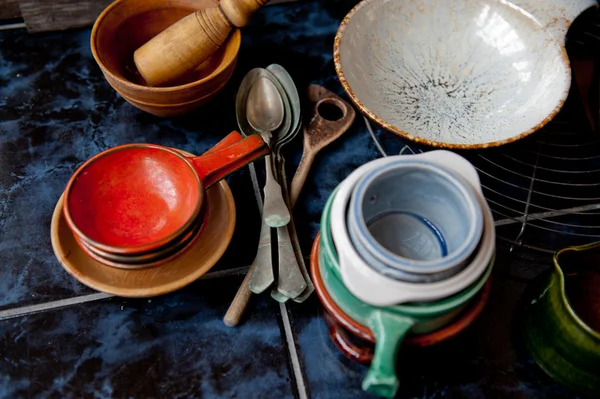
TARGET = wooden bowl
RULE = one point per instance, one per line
(125, 25)
(167, 110)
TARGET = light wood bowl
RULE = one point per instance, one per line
(167, 110)
(142, 283)
(125, 25)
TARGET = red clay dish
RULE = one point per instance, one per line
(136, 198)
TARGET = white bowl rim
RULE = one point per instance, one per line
(392, 260)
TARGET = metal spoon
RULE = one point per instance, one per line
(265, 113)
(291, 91)
(263, 94)
(260, 276)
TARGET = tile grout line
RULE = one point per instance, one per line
(287, 327)
(76, 300)
(31, 309)
(296, 367)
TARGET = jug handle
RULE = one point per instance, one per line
(213, 166)
(389, 330)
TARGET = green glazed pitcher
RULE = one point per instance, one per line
(562, 323)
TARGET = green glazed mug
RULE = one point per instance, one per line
(389, 324)
(562, 323)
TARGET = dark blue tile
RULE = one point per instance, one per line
(174, 346)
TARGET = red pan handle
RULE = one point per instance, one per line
(230, 139)
(215, 165)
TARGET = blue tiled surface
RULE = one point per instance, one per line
(56, 111)
(174, 346)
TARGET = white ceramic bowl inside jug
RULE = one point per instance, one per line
(414, 220)
(376, 289)
(455, 73)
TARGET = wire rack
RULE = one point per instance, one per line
(544, 190)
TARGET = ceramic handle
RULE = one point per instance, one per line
(262, 275)
(214, 166)
(389, 330)
(230, 139)
(345, 345)
(556, 16)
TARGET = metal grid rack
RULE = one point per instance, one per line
(544, 190)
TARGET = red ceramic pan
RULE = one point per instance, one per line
(137, 197)
(167, 252)
(149, 259)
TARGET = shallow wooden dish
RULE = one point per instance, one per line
(179, 272)
(125, 25)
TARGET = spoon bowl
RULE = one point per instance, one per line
(291, 92)
(265, 107)
(241, 104)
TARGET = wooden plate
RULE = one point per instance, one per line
(179, 272)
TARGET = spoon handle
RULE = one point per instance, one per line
(275, 211)
(291, 282)
(295, 242)
(262, 267)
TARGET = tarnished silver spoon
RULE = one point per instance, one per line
(264, 110)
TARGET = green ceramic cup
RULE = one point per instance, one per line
(389, 324)
(562, 323)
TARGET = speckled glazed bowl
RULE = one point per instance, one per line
(458, 73)
(555, 15)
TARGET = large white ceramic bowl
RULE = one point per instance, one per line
(376, 289)
(452, 73)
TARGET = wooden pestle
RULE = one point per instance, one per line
(180, 48)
